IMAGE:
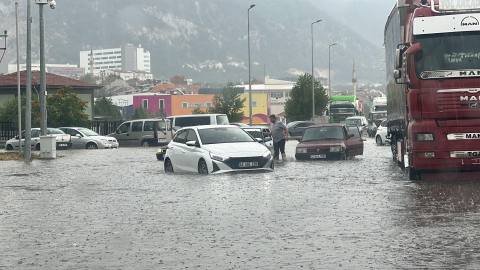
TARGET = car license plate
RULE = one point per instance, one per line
(318, 156)
(475, 161)
(63, 144)
(162, 140)
(247, 164)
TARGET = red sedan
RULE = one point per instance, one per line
(330, 141)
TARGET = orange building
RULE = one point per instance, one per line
(185, 104)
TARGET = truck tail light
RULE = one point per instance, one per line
(426, 155)
(424, 137)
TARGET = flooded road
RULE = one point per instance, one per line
(119, 210)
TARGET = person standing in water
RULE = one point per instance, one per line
(279, 133)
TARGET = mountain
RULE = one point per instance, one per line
(204, 40)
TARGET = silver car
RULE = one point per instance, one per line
(84, 138)
(63, 140)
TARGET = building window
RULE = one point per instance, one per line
(106, 53)
(276, 94)
(287, 94)
(146, 56)
(209, 104)
(161, 104)
(145, 103)
(254, 104)
(119, 57)
(98, 54)
(184, 105)
(146, 61)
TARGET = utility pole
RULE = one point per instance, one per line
(43, 75)
(249, 72)
(19, 93)
(28, 102)
(313, 77)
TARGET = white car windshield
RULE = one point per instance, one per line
(224, 135)
(88, 132)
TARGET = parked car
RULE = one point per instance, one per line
(161, 153)
(297, 128)
(84, 138)
(374, 121)
(64, 141)
(360, 121)
(144, 132)
(330, 141)
(216, 149)
(182, 121)
(381, 136)
(257, 133)
(239, 124)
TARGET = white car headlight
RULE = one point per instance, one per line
(218, 157)
(267, 155)
(301, 150)
(335, 149)
(104, 141)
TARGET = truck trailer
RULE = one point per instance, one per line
(433, 92)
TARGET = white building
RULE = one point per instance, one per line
(279, 92)
(131, 74)
(127, 57)
(36, 66)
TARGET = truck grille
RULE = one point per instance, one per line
(461, 99)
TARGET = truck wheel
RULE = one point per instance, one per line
(394, 148)
(414, 174)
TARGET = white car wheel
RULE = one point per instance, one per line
(379, 140)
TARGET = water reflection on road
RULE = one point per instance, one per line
(118, 210)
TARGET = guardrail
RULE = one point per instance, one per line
(8, 130)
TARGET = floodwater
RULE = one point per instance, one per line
(117, 209)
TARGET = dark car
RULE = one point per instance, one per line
(329, 141)
(297, 128)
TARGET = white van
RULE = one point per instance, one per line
(144, 132)
(182, 121)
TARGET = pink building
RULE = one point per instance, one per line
(154, 103)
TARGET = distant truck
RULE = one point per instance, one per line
(379, 104)
(433, 68)
(342, 107)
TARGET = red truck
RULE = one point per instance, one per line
(433, 63)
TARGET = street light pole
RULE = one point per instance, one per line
(329, 79)
(19, 93)
(28, 101)
(313, 77)
(43, 75)
(249, 72)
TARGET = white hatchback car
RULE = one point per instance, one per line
(216, 149)
(381, 136)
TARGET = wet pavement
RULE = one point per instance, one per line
(117, 209)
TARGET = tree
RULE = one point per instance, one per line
(299, 106)
(229, 103)
(65, 109)
(9, 111)
(140, 113)
(197, 110)
(89, 78)
(105, 107)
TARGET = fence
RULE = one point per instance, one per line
(105, 127)
(8, 130)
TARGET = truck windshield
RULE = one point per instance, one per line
(452, 51)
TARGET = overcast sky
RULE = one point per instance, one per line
(366, 17)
